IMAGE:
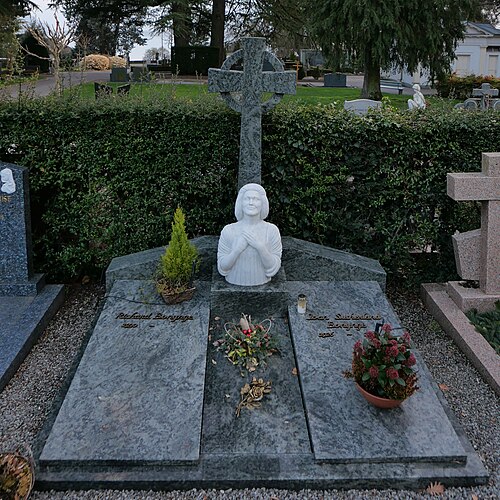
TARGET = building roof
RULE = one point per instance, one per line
(488, 28)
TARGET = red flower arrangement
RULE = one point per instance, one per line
(248, 344)
(384, 365)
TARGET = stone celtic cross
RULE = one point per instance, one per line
(481, 259)
(251, 83)
(486, 92)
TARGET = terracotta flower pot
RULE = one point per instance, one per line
(378, 401)
(177, 298)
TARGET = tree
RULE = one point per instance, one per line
(188, 19)
(9, 25)
(110, 25)
(16, 7)
(55, 39)
(156, 54)
(390, 34)
(281, 22)
(217, 27)
(490, 11)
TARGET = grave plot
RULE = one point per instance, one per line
(154, 405)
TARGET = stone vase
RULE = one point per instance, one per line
(378, 401)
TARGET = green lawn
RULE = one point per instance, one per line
(306, 95)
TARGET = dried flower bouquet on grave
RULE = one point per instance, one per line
(247, 344)
(252, 394)
(384, 365)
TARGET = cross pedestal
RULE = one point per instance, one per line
(478, 252)
(251, 83)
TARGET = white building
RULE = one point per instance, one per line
(478, 54)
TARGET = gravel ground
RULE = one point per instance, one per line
(25, 403)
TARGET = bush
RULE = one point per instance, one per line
(456, 87)
(117, 62)
(95, 62)
(105, 176)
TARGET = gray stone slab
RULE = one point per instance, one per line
(271, 446)
(23, 320)
(137, 394)
(269, 299)
(306, 261)
(301, 260)
(341, 422)
(278, 427)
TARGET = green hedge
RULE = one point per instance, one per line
(457, 87)
(194, 60)
(106, 177)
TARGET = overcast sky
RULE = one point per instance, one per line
(46, 14)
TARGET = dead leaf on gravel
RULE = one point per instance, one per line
(436, 489)
(475, 497)
(294, 371)
(444, 387)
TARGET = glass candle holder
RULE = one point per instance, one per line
(301, 304)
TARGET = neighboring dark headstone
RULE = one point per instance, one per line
(123, 89)
(140, 74)
(16, 267)
(119, 75)
(26, 304)
(102, 90)
(335, 80)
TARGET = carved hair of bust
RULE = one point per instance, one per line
(238, 206)
(7, 184)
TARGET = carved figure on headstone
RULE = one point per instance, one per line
(418, 101)
(249, 251)
(7, 183)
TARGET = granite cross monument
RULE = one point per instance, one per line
(251, 83)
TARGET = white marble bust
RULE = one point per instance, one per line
(249, 251)
(7, 183)
(418, 101)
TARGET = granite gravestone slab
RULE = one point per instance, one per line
(137, 395)
(274, 445)
(252, 82)
(26, 304)
(343, 427)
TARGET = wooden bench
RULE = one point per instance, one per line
(391, 84)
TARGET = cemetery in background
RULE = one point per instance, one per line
(371, 185)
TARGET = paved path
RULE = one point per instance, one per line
(45, 84)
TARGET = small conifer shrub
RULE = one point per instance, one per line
(179, 263)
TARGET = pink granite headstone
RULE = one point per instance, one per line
(478, 252)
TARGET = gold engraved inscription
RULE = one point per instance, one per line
(348, 322)
(5, 199)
